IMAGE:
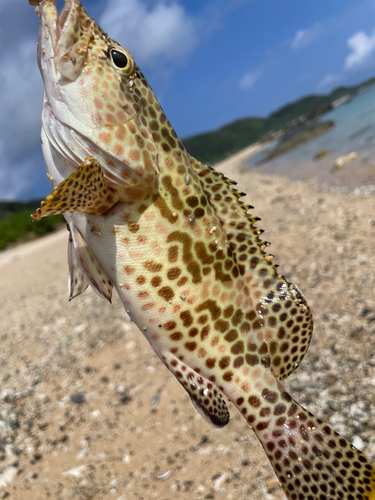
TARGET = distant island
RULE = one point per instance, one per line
(211, 147)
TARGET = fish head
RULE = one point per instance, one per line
(97, 102)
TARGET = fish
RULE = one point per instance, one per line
(183, 252)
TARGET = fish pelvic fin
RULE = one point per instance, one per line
(310, 459)
(89, 269)
(77, 280)
(206, 398)
(84, 191)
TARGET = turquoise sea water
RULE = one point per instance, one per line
(354, 131)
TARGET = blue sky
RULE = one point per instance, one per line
(209, 63)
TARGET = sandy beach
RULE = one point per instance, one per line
(87, 411)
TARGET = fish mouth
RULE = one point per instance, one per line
(66, 37)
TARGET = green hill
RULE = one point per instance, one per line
(213, 146)
(16, 224)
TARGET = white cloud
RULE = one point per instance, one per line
(362, 52)
(20, 100)
(159, 34)
(304, 37)
(362, 49)
(249, 79)
(15, 177)
(328, 81)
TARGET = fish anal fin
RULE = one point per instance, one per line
(206, 398)
(77, 280)
(280, 308)
(90, 266)
(308, 456)
(84, 191)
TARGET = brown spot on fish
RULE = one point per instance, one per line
(173, 273)
(187, 318)
(166, 293)
(238, 347)
(156, 281)
(191, 346)
(211, 306)
(176, 336)
(224, 362)
(129, 269)
(153, 266)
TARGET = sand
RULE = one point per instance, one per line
(87, 411)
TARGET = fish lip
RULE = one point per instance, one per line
(53, 22)
(69, 37)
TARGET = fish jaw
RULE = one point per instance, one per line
(69, 34)
(61, 59)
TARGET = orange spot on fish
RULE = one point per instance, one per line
(120, 132)
(98, 102)
(216, 290)
(258, 385)
(169, 164)
(248, 303)
(239, 300)
(111, 119)
(96, 119)
(161, 228)
(147, 307)
(245, 387)
(222, 348)
(176, 308)
(214, 341)
(118, 149)
(134, 155)
(121, 116)
(105, 137)
(201, 352)
(150, 216)
(162, 310)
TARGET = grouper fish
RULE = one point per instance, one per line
(184, 254)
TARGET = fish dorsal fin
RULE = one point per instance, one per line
(280, 309)
(84, 191)
(206, 398)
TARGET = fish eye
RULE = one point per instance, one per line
(122, 60)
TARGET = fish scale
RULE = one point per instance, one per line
(183, 253)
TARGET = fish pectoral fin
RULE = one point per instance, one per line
(84, 191)
(205, 397)
(89, 267)
(77, 280)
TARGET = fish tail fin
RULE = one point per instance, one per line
(311, 460)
